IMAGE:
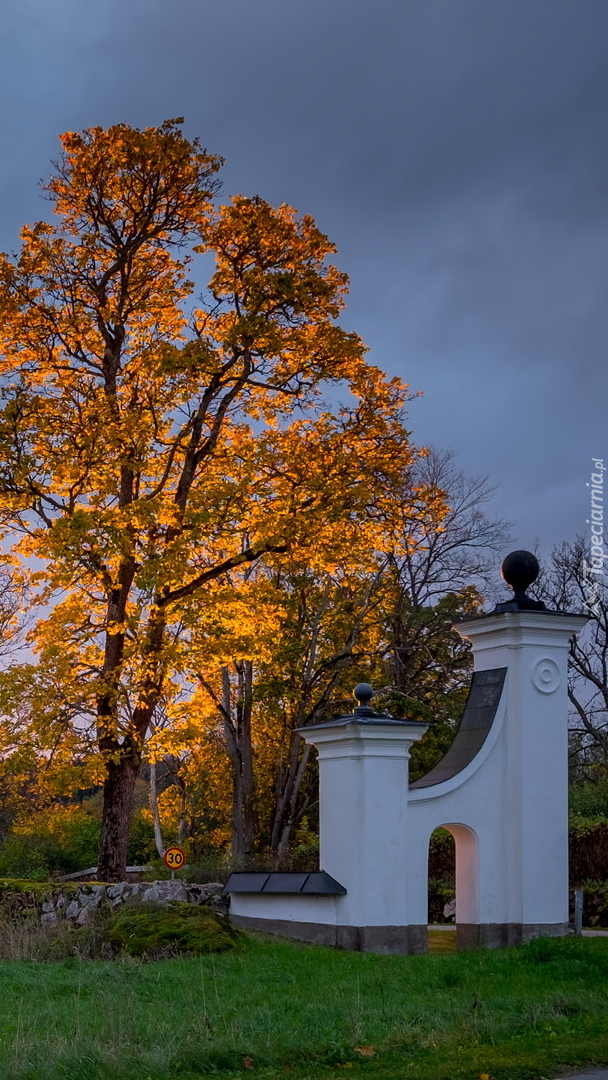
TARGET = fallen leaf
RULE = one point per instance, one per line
(368, 1051)
(484, 1076)
(248, 1062)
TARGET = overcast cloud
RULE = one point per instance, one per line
(455, 150)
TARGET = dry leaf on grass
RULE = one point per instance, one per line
(367, 1051)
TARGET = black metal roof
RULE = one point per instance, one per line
(376, 720)
(317, 883)
(511, 605)
(477, 719)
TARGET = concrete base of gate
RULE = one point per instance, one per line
(497, 935)
(399, 940)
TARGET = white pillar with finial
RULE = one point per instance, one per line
(502, 788)
(359, 898)
(363, 778)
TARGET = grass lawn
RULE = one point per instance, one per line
(442, 941)
(277, 1009)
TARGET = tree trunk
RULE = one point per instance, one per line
(237, 730)
(286, 815)
(183, 830)
(242, 811)
(158, 836)
(124, 759)
(118, 791)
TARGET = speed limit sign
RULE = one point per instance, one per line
(174, 858)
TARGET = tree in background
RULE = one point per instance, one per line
(566, 584)
(14, 602)
(441, 575)
(17, 762)
(283, 649)
(330, 638)
(150, 446)
(458, 547)
(270, 658)
(44, 759)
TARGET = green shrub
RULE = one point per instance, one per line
(65, 839)
(439, 895)
(151, 930)
(142, 847)
(589, 800)
(588, 850)
(442, 857)
(62, 840)
(595, 904)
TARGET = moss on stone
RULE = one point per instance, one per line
(17, 896)
(176, 928)
(39, 889)
(42, 890)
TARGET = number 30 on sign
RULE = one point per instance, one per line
(174, 858)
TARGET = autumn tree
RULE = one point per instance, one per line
(330, 636)
(312, 626)
(43, 755)
(151, 443)
(383, 609)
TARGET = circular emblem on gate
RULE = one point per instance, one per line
(545, 675)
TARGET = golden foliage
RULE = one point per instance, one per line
(150, 451)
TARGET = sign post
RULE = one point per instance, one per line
(578, 911)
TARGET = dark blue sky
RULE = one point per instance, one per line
(455, 150)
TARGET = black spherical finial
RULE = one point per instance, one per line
(363, 692)
(519, 570)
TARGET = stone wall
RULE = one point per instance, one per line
(77, 905)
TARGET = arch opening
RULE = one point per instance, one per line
(454, 872)
(442, 877)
